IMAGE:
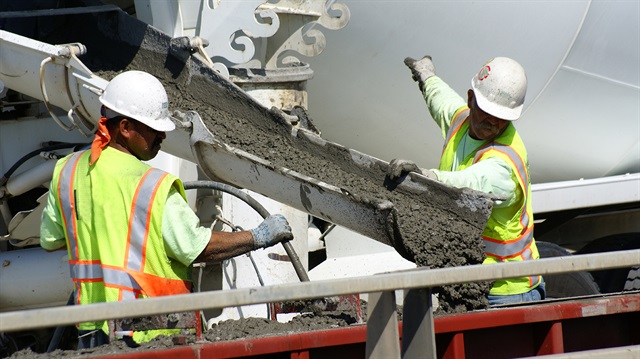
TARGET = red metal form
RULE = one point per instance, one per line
(547, 328)
(550, 328)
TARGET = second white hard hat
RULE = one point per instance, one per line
(140, 96)
(500, 87)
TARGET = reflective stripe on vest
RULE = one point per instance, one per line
(66, 198)
(86, 272)
(520, 246)
(459, 118)
(140, 217)
(514, 247)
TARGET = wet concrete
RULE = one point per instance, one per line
(227, 330)
(441, 228)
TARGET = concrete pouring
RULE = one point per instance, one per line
(428, 223)
(435, 227)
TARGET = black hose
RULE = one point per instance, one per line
(57, 334)
(295, 260)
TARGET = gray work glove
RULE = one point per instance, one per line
(273, 230)
(421, 69)
(399, 167)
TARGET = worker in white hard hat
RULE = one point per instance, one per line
(484, 152)
(127, 226)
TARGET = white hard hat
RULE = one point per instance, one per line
(500, 87)
(139, 96)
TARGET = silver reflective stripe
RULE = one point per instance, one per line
(128, 295)
(527, 254)
(513, 155)
(86, 271)
(508, 249)
(110, 276)
(119, 278)
(458, 121)
(141, 215)
(67, 201)
(522, 172)
(534, 280)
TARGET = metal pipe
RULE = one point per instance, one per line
(34, 278)
(416, 278)
(45, 96)
(30, 179)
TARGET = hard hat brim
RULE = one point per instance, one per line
(163, 125)
(501, 112)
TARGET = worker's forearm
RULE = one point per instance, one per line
(225, 245)
(491, 176)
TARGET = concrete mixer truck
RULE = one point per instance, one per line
(258, 67)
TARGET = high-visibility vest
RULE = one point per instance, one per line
(112, 213)
(513, 240)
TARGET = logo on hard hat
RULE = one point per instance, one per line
(484, 72)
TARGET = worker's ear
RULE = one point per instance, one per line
(470, 97)
(126, 127)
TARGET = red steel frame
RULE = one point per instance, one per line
(546, 328)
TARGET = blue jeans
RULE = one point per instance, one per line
(537, 293)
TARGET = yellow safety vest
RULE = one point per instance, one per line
(112, 213)
(513, 240)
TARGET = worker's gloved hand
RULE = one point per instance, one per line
(273, 230)
(421, 69)
(429, 174)
(399, 167)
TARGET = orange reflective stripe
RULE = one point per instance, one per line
(140, 219)
(66, 199)
(137, 238)
(504, 249)
(456, 123)
(521, 174)
(78, 293)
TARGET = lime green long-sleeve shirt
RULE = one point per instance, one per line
(493, 175)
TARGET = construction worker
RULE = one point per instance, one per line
(484, 152)
(128, 228)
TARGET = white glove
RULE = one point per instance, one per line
(429, 174)
(421, 69)
(273, 230)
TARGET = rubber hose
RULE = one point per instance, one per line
(295, 260)
(57, 334)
